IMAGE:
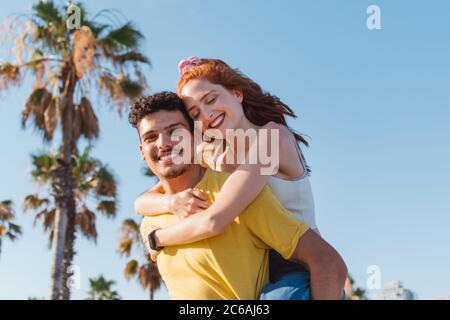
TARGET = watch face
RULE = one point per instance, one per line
(151, 240)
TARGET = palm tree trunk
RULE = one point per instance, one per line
(63, 187)
(69, 254)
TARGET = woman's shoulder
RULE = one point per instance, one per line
(290, 163)
(286, 137)
(284, 131)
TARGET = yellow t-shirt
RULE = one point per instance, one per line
(234, 264)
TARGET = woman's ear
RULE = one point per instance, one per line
(239, 94)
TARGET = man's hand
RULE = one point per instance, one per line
(153, 253)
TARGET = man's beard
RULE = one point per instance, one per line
(174, 172)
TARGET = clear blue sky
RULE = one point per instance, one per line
(376, 105)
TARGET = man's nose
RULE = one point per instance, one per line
(164, 142)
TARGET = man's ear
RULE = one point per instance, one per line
(141, 151)
(239, 94)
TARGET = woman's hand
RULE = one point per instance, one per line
(187, 202)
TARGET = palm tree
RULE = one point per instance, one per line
(101, 289)
(67, 67)
(93, 184)
(145, 270)
(353, 293)
(8, 229)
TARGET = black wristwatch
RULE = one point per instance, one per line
(152, 241)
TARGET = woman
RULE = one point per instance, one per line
(223, 98)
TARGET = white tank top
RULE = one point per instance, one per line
(296, 194)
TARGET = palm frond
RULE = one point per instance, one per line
(123, 37)
(107, 207)
(83, 50)
(15, 230)
(84, 169)
(47, 38)
(105, 183)
(47, 11)
(131, 269)
(33, 202)
(149, 276)
(101, 289)
(125, 246)
(96, 28)
(85, 219)
(131, 56)
(6, 213)
(6, 204)
(129, 226)
(36, 106)
(129, 236)
(131, 89)
(52, 114)
(89, 121)
(9, 75)
(42, 165)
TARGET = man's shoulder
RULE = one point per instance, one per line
(266, 202)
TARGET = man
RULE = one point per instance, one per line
(233, 264)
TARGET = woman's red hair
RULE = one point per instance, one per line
(259, 107)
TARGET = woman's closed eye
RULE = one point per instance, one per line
(195, 114)
(212, 100)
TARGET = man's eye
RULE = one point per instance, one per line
(149, 139)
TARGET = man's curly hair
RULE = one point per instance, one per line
(165, 100)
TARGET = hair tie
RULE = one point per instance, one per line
(188, 63)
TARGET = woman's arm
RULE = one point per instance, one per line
(183, 204)
(239, 190)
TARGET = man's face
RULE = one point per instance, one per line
(163, 156)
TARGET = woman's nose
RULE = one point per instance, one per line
(206, 116)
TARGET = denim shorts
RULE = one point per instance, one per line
(292, 286)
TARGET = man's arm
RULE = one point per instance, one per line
(152, 201)
(277, 228)
(328, 270)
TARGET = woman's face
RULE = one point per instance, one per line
(213, 105)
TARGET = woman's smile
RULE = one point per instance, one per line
(217, 122)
